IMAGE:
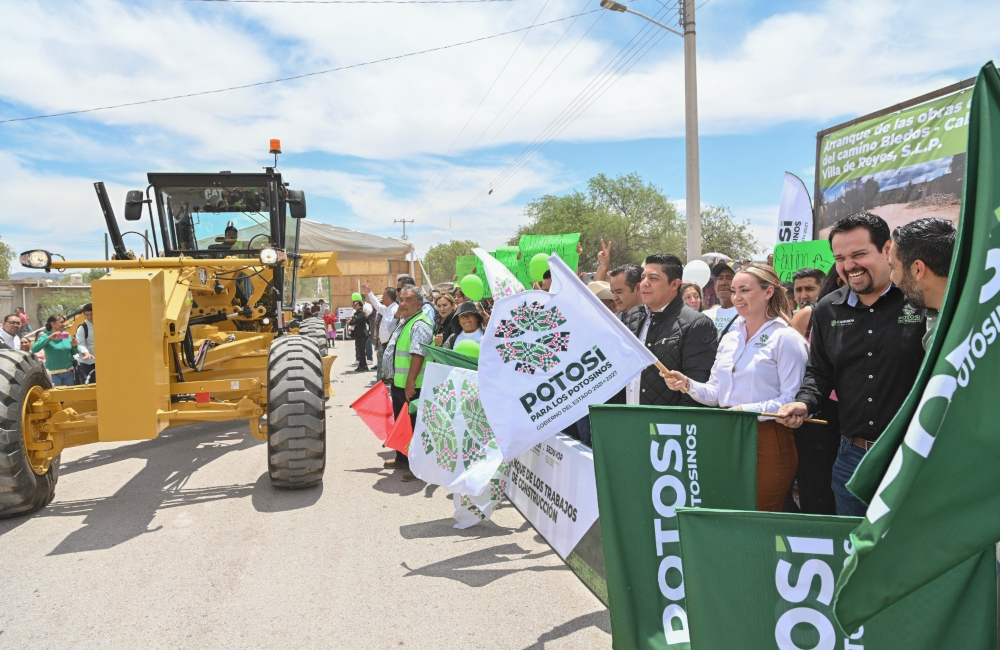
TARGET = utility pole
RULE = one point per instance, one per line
(692, 162)
(404, 222)
(693, 189)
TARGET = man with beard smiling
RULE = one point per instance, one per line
(919, 256)
(866, 345)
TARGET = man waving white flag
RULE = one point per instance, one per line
(547, 356)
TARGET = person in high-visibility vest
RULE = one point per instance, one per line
(403, 361)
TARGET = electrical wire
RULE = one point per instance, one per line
(430, 195)
(473, 115)
(350, 2)
(291, 78)
(500, 181)
(590, 93)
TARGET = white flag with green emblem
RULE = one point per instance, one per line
(470, 510)
(453, 445)
(547, 356)
(502, 282)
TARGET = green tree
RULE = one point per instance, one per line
(439, 260)
(722, 233)
(6, 257)
(633, 214)
(94, 274)
(61, 302)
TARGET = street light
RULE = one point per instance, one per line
(693, 199)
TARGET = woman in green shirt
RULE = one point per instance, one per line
(59, 349)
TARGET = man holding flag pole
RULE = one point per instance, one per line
(931, 478)
(403, 362)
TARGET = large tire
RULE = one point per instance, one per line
(314, 330)
(21, 489)
(296, 413)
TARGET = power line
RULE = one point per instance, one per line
(590, 93)
(503, 178)
(596, 88)
(472, 147)
(349, 2)
(473, 115)
(291, 78)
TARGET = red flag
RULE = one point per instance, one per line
(401, 434)
(375, 410)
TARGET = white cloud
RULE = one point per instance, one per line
(828, 61)
(56, 212)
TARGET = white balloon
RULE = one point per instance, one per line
(697, 272)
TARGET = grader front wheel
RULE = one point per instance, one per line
(296, 413)
(27, 479)
(314, 330)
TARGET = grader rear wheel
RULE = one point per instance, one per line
(296, 413)
(27, 479)
(314, 330)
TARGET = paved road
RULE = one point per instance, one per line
(181, 541)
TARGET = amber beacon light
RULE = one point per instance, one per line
(275, 146)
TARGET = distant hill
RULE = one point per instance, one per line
(36, 275)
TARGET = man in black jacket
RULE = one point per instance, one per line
(680, 337)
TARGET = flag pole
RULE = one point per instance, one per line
(663, 369)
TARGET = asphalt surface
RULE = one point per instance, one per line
(182, 542)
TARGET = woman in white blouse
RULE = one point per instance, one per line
(759, 367)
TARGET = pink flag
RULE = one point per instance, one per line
(375, 410)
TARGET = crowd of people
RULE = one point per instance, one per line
(70, 359)
(841, 345)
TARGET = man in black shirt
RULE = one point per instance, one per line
(865, 346)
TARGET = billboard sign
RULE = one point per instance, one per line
(903, 163)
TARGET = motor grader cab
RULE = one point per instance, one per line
(201, 332)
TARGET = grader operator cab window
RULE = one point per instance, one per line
(234, 221)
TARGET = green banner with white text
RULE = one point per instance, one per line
(761, 580)
(650, 460)
(901, 166)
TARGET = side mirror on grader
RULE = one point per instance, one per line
(133, 205)
(191, 335)
(297, 204)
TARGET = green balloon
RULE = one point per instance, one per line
(472, 287)
(468, 347)
(538, 266)
(356, 297)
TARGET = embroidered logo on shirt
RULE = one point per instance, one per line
(909, 315)
(840, 323)
(762, 342)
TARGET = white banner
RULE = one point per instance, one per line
(546, 357)
(795, 216)
(553, 486)
(453, 445)
(502, 282)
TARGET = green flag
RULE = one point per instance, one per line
(562, 245)
(764, 581)
(930, 479)
(508, 256)
(447, 357)
(649, 460)
(464, 265)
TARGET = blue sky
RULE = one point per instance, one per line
(383, 142)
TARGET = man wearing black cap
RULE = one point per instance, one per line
(725, 313)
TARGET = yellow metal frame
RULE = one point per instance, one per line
(142, 313)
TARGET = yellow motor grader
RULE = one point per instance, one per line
(202, 331)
